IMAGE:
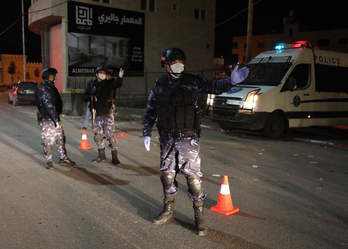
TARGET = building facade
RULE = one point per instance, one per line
(335, 40)
(76, 36)
(11, 69)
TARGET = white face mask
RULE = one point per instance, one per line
(101, 76)
(177, 69)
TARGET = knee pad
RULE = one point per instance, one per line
(167, 179)
(98, 137)
(113, 143)
(194, 185)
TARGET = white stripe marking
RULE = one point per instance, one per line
(225, 189)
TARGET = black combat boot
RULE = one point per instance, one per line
(101, 156)
(167, 212)
(115, 160)
(202, 230)
(48, 165)
(67, 162)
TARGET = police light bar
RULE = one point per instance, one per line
(301, 44)
(295, 44)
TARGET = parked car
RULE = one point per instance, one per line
(22, 92)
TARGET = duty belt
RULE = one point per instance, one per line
(180, 134)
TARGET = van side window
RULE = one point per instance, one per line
(331, 78)
(300, 76)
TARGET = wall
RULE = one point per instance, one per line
(17, 61)
(56, 53)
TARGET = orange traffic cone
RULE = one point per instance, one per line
(224, 204)
(84, 142)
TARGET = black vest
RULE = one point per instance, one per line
(178, 109)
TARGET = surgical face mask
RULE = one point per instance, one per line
(177, 69)
(101, 76)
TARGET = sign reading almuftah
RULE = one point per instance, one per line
(98, 34)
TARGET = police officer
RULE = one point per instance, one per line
(50, 107)
(175, 104)
(103, 93)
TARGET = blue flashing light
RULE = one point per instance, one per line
(279, 46)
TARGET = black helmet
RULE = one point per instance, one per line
(103, 67)
(46, 72)
(172, 54)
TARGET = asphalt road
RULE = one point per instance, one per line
(291, 193)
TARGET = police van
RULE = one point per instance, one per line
(292, 85)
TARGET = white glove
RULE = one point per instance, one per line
(58, 125)
(239, 75)
(147, 141)
(121, 73)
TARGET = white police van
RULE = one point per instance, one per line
(293, 85)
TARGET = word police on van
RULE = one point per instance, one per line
(292, 85)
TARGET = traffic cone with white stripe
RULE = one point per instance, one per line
(84, 142)
(224, 205)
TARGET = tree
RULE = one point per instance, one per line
(11, 69)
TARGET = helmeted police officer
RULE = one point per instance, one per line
(175, 104)
(102, 93)
(50, 107)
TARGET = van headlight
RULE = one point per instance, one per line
(210, 99)
(251, 100)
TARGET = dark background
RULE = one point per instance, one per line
(268, 18)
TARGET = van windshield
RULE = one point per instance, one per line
(267, 71)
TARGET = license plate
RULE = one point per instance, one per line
(233, 102)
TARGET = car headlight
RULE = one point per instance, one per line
(210, 99)
(251, 100)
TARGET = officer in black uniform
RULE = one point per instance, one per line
(50, 107)
(102, 93)
(175, 104)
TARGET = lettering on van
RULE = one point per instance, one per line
(327, 60)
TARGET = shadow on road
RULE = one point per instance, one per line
(84, 175)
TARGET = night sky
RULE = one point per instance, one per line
(268, 18)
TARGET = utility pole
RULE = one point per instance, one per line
(250, 30)
(23, 37)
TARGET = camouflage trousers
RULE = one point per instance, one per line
(180, 155)
(50, 134)
(104, 128)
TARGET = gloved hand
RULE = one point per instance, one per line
(147, 141)
(58, 125)
(121, 73)
(238, 75)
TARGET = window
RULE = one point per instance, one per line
(152, 5)
(203, 15)
(323, 43)
(95, 0)
(260, 45)
(143, 4)
(196, 13)
(106, 1)
(299, 77)
(331, 78)
(174, 6)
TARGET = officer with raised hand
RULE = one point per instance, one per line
(50, 107)
(102, 100)
(174, 104)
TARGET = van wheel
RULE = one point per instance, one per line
(276, 125)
